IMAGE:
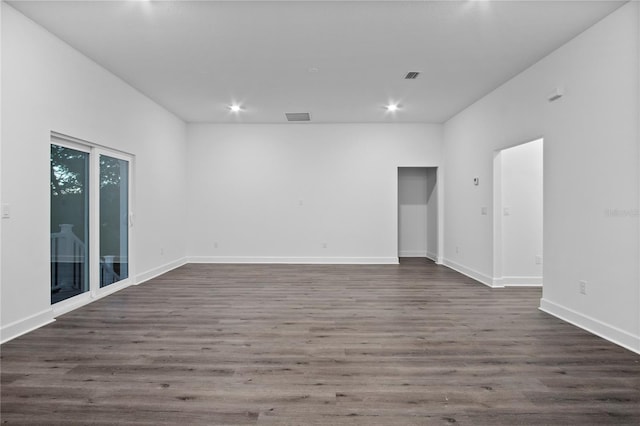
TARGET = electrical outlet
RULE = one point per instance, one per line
(6, 211)
(583, 287)
(215, 244)
(162, 251)
(538, 260)
(483, 211)
(324, 245)
(457, 250)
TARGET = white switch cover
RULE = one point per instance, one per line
(507, 211)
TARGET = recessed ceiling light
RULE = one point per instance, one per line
(235, 108)
(392, 107)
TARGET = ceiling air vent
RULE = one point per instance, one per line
(298, 116)
(412, 75)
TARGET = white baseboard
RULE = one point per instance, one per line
(412, 253)
(471, 273)
(23, 326)
(517, 282)
(432, 256)
(296, 260)
(155, 272)
(592, 325)
(18, 328)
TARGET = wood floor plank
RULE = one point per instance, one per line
(408, 344)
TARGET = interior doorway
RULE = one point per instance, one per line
(418, 212)
(518, 215)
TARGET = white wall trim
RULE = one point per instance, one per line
(26, 325)
(113, 288)
(497, 218)
(88, 297)
(592, 325)
(497, 283)
(155, 272)
(432, 256)
(517, 282)
(296, 260)
(413, 253)
(471, 273)
(72, 303)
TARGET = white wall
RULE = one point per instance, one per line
(276, 192)
(521, 214)
(1, 194)
(638, 133)
(590, 168)
(412, 212)
(433, 251)
(48, 86)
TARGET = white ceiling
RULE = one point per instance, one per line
(197, 57)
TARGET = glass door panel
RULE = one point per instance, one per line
(69, 222)
(114, 225)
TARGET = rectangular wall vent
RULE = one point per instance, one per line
(298, 116)
(412, 75)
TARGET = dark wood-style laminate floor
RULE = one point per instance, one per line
(414, 344)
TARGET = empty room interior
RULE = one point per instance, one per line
(320, 212)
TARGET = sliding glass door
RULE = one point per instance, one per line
(114, 220)
(69, 189)
(90, 227)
